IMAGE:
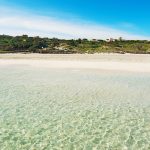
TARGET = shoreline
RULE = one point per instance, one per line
(95, 56)
(110, 62)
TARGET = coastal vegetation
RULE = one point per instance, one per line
(26, 44)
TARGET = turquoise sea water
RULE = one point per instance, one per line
(50, 109)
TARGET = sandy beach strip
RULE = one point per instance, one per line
(115, 62)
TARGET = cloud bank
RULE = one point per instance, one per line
(18, 23)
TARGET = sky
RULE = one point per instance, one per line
(92, 19)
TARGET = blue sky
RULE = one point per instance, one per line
(76, 18)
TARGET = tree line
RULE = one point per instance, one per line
(24, 43)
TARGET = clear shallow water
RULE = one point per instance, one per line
(73, 109)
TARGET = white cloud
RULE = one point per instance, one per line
(17, 23)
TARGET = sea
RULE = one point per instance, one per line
(73, 109)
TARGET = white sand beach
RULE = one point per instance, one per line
(115, 62)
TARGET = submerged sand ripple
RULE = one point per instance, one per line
(63, 109)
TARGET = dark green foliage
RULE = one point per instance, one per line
(21, 43)
(45, 45)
